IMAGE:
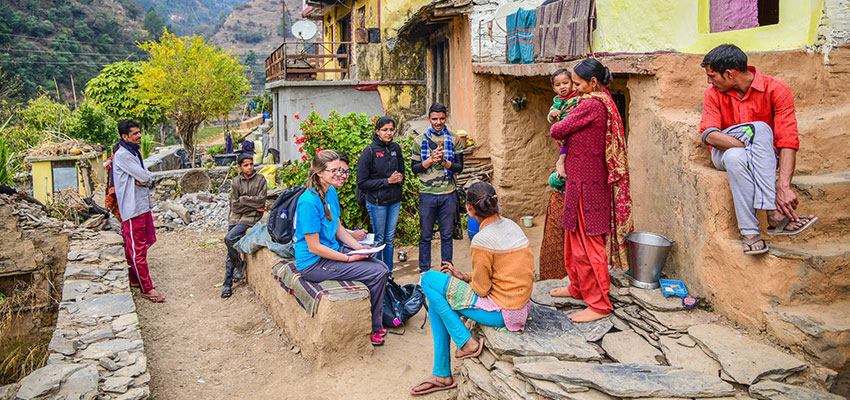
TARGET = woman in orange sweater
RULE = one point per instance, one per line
(496, 294)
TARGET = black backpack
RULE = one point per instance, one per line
(282, 215)
(401, 303)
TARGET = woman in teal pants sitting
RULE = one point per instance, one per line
(496, 294)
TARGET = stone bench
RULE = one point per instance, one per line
(339, 327)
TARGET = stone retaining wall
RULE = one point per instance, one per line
(96, 350)
(339, 329)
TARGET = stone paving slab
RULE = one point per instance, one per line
(744, 360)
(106, 305)
(688, 357)
(540, 294)
(771, 390)
(630, 380)
(654, 300)
(547, 333)
(628, 347)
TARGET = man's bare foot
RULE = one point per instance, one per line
(560, 292)
(587, 315)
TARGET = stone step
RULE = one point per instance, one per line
(828, 197)
(823, 276)
(823, 138)
(821, 331)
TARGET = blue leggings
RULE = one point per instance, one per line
(446, 322)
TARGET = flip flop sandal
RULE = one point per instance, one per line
(474, 354)
(435, 386)
(779, 229)
(748, 243)
(154, 298)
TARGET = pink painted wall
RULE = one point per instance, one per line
(730, 15)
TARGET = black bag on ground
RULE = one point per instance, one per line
(282, 215)
(401, 303)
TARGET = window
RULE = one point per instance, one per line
(731, 15)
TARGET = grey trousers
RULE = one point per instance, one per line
(751, 170)
(371, 271)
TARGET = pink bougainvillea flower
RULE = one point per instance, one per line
(319, 149)
(331, 126)
(297, 116)
(300, 149)
(304, 158)
(311, 104)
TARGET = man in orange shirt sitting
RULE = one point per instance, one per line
(748, 120)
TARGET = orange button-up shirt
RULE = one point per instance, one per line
(768, 100)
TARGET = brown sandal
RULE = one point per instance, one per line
(750, 243)
(435, 386)
(156, 297)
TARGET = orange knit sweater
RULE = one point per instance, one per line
(502, 263)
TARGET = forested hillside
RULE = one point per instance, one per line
(253, 31)
(188, 17)
(42, 40)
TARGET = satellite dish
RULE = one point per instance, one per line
(304, 30)
(506, 9)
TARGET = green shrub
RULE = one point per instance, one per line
(91, 123)
(350, 134)
(215, 149)
(146, 145)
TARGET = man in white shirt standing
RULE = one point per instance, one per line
(134, 202)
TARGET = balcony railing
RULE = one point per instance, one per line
(300, 61)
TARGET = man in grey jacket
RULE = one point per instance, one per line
(247, 203)
(134, 202)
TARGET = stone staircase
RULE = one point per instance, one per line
(815, 313)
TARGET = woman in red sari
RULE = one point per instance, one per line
(597, 204)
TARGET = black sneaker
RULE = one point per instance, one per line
(226, 292)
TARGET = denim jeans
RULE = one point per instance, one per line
(384, 221)
(234, 260)
(433, 208)
(446, 322)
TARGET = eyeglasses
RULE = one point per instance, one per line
(340, 171)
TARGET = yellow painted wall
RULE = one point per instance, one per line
(42, 177)
(682, 25)
(42, 181)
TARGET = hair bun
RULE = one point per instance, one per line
(608, 77)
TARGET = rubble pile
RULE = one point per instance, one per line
(650, 346)
(32, 215)
(201, 212)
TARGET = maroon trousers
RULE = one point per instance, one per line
(139, 235)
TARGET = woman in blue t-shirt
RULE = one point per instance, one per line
(321, 243)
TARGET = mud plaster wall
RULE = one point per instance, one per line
(517, 142)
(676, 193)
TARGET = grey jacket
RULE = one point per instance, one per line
(133, 200)
(246, 196)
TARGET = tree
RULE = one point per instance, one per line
(191, 78)
(153, 23)
(113, 89)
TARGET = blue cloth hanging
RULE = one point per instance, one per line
(520, 37)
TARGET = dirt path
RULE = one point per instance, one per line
(200, 346)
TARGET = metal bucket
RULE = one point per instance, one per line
(647, 254)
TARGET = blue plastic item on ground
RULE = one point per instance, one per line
(672, 287)
(471, 226)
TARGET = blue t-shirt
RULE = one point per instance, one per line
(310, 218)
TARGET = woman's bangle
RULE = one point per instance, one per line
(347, 258)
